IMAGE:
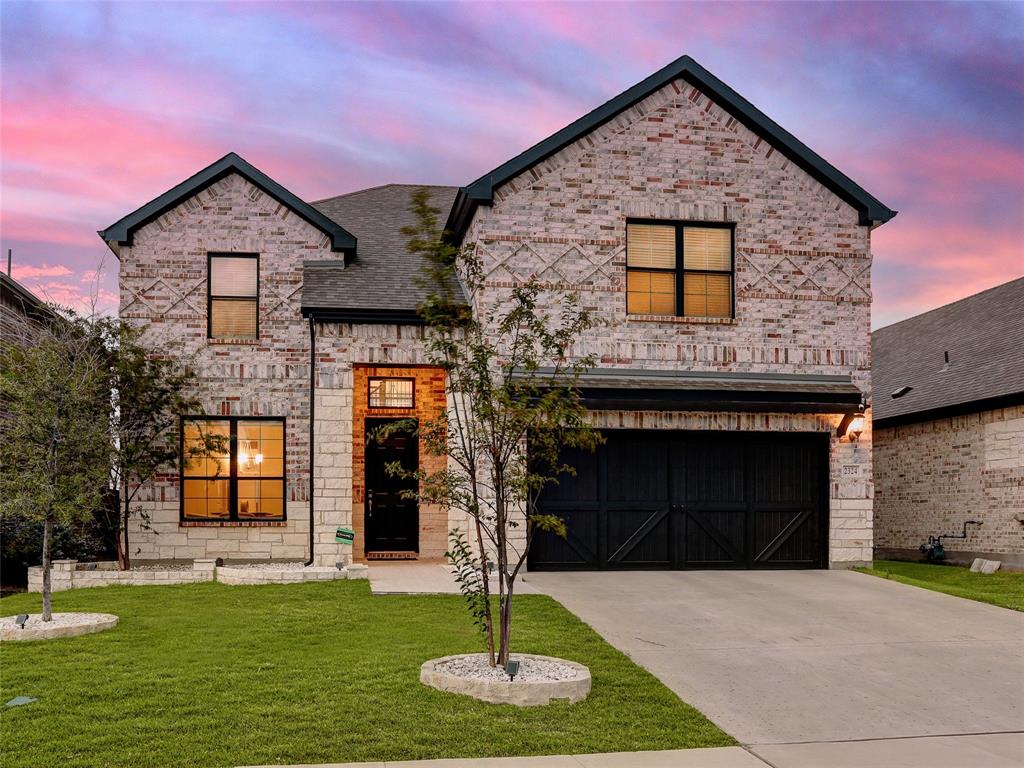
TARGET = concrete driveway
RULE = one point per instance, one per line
(787, 657)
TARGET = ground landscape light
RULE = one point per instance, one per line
(512, 669)
(22, 618)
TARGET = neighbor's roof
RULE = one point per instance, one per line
(122, 231)
(383, 283)
(481, 191)
(984, 336)
(20, 296)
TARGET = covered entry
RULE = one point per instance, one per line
(673, 499)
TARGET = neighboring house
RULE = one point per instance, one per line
(949, 429)
(23, 317)
(730, 266)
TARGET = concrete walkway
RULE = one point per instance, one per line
(414, 578)
(811, 668)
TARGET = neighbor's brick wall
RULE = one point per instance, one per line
(932, 476)
(803, 292)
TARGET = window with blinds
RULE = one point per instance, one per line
(679, 269)
(244, 479)
(233, 291)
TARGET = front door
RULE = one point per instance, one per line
(392, 522)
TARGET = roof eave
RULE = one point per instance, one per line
(122, 231)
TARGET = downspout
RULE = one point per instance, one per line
(312, 414)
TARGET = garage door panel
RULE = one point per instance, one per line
(638, 536)
(716, 537)
(674, 499)
(579, 486)
(579, 548)
(637, 468)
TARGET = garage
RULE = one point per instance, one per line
(681, 499)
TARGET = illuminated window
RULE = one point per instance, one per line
(233, 469)
(678, 269)
(392, 393)
(233, 292)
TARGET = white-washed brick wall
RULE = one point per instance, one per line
(803, 290)
(934, 475)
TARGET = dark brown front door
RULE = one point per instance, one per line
(392, 522)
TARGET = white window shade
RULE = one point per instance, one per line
(651, 246)
(707, 248)
(233, 276)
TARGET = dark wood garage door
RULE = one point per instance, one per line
(660, 499)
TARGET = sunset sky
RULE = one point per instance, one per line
(105, 106)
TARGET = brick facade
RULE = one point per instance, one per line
(802, 281)
(802, 297)
(933, 475)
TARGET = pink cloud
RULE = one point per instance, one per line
(24, 272)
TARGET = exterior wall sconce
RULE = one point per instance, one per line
(852, 425)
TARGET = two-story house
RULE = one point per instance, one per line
(730, 267)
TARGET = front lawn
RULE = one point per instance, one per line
(216, 675)
(1003, 588)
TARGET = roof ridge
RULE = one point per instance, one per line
(381, 186)
(948, 304)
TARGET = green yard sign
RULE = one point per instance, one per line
(344, 536)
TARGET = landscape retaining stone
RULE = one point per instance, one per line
(62, 625)
(522, 693)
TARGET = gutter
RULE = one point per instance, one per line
(312, 414)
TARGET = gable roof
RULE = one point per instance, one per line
(481, 192)
(984, 336)
(122, 231)
(23, 299)
(383, 285)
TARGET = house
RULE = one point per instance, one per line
(730, 266)
(949, 429)
(23, 318)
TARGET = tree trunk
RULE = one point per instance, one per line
(506, 626)
(47, 543)
(123, 553)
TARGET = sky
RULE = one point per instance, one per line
(104, 106)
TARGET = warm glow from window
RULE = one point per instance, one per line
(391, 393)
(233, 290)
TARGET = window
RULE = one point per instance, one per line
(679, 269)
(392, 393)
(233, 292)
(243, 479)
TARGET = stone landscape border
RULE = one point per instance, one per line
(521, 694)
(81, 624)
(70, 574)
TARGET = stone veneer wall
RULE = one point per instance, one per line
(932, 476)
(802, 266)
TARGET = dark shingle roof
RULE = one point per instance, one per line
(384, 277)
(984, 335)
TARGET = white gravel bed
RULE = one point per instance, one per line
(530, 669)
(265, 566)
(168, 567)
(61, 625)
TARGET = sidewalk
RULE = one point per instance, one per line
(720, 757)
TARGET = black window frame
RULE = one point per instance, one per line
(233, 474)
(369, 392)
(680, 269)
(210, 298)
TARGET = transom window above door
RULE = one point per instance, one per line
(392, 393)
(681, 269)
(233, 292)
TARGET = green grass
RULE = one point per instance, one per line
(216, 675)
(1003, 588)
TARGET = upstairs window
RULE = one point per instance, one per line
(233, 293)
(392, 393)
(679, 269)
(244, 480)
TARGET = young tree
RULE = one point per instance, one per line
(55, 451)
(513, 408)
(151, 392)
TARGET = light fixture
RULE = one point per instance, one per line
(511, 669)
(856, 427)
(20, 621)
